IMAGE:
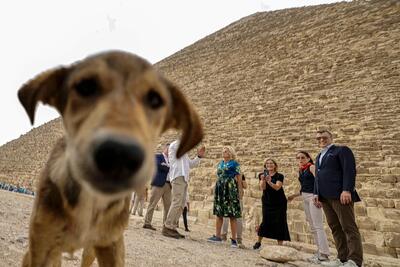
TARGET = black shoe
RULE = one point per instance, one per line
(187, 230)
(148, 226)
(171, 233)
(257, 245)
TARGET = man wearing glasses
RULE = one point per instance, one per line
(334, 189)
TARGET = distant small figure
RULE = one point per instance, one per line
(138, 200)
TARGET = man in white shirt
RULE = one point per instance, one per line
(179, 178)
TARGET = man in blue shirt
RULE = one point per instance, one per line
(160, 188)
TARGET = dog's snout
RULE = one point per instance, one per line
(118, 159)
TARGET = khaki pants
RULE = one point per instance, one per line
(239, 223)
(341, 220)
(315, 219)
(138, 204)
(157, 193)
(179, 187)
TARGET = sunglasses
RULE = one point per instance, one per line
(300, 157)
(322, 138)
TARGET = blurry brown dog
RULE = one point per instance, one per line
(114, 107)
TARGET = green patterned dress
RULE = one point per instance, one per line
(226, 195)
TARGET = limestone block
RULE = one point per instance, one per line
(387, 252)
(393, 193)
(193, 213)
(386, 203)
(392, 214)
(302, 237)
(373, 237)
(392, 239)
(365, 223)
(299, 226)
(377, 193)
(370, 202)
(388, 178)
(203, 216)
(395, 170)
(369, 248)
(387, 226)
(279, 253)
(374, 212)
(360, 210)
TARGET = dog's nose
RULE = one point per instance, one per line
(118, 159)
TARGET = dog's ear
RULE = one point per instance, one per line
(47, 88)
(183, 117)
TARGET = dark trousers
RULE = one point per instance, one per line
(184, 215)
(341, 220)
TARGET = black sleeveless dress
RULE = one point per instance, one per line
(274, 205)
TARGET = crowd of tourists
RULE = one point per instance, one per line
(327, 186)
(17, 189)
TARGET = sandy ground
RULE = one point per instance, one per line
(143, 247)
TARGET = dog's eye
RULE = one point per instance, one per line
(153, 99)
(87, 87)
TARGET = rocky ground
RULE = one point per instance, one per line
(146, 247)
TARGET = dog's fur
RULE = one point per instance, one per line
(114, 107)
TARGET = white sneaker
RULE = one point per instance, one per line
(314, 259)
(350, 263)
(318, 258)
(334, 263)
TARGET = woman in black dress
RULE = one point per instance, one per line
(274, 205)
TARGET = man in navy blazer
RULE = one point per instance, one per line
(335, 176)
(160, 188)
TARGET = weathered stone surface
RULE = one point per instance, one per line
(264, 85)
(279, 253)
(392, 240)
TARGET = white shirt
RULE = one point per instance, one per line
(181, 166)
(323, 152)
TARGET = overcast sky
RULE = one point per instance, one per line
(41, 34)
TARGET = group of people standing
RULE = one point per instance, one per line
(326, 187)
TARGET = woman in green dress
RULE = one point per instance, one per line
(226, 194)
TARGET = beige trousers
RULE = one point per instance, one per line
(315, 219)
(179, 187)
(138, 204)
(157, 193)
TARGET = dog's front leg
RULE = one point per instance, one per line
(112, 255)
(88, 257)
(39, 259)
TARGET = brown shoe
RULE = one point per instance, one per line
(171, 233)
(148, 226)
